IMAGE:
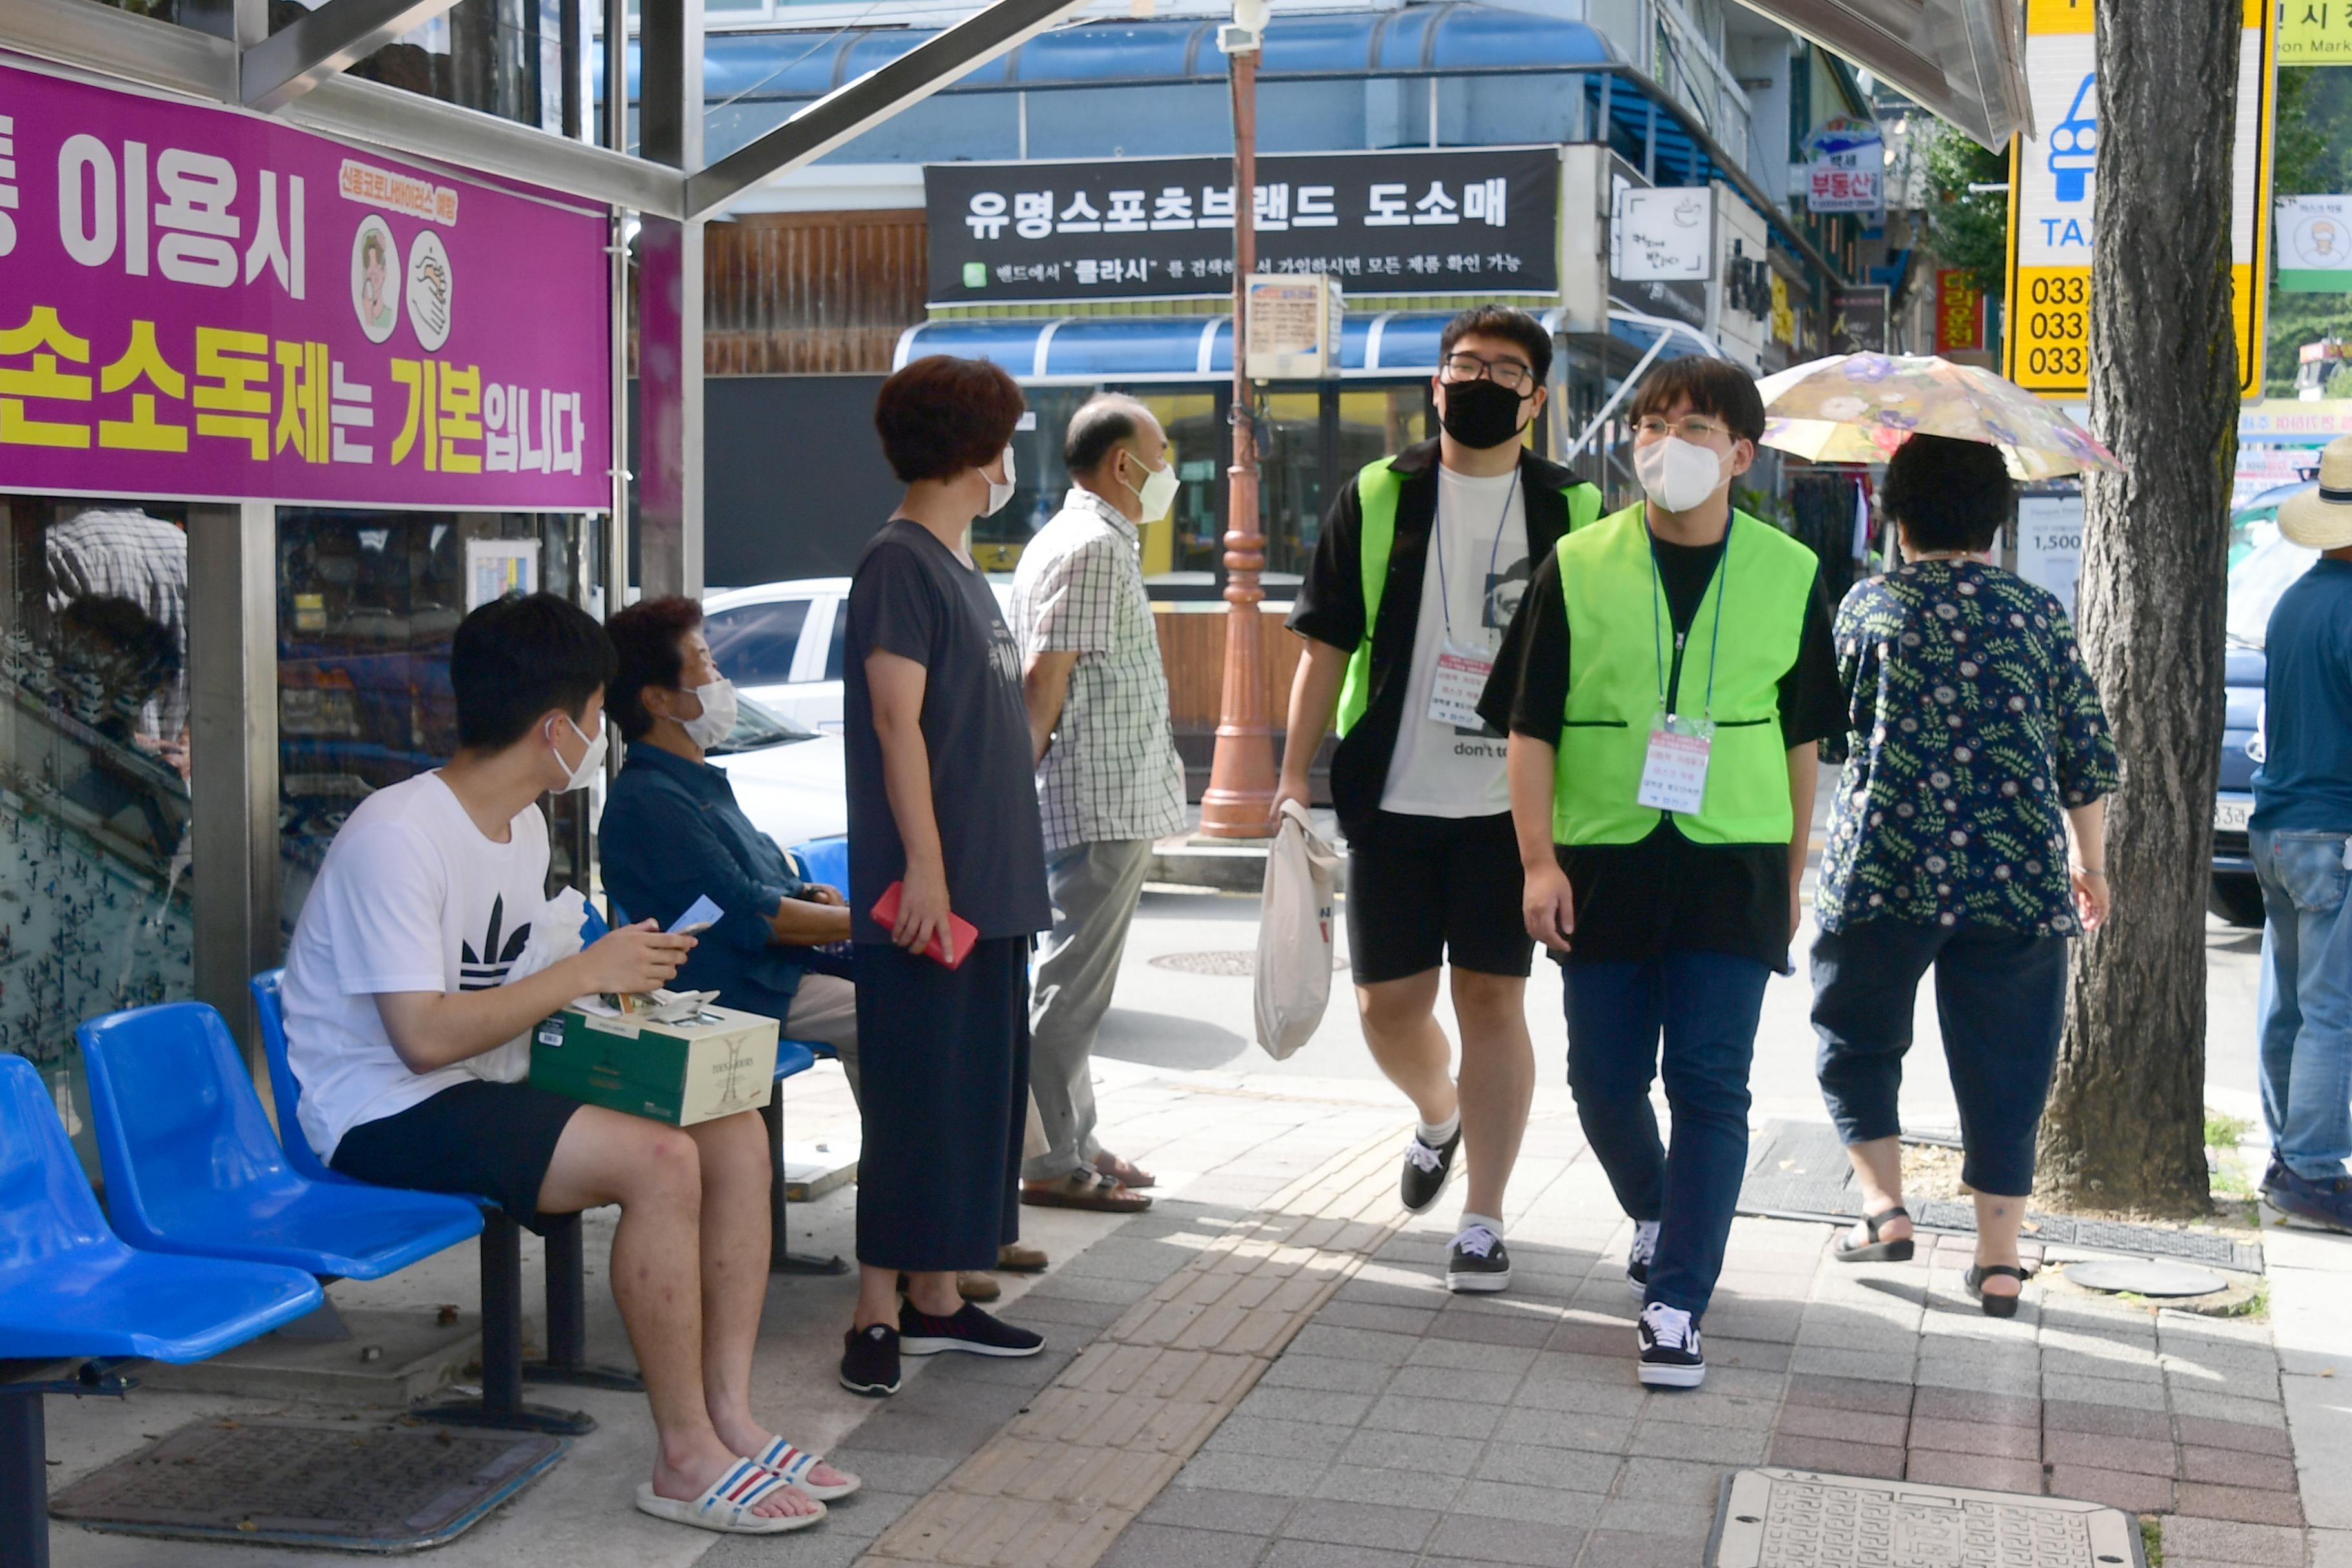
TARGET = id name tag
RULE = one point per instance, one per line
(1674, 771)
(1460, 682)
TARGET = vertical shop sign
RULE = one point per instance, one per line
(1959, 312)
(203, 303)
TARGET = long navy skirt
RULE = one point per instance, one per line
(944, 1063)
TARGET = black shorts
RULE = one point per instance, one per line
(478, 1140)
(1428, 889)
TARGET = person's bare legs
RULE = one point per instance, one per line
(1401, 1027)
(1998, 1220)
(655, 1173)
(1878, 1172)
(931, 1291)
(1498, 1080)
(735, 1243)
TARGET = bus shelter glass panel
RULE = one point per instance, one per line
(1293, 483)
(94, 793)
(367, 605)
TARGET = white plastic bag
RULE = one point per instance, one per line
(1293, 935)
(554, 937)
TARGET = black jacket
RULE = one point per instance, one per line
(1330, 604)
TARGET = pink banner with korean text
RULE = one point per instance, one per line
(202, 303)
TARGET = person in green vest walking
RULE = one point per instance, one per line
(1664, 686)
(1420, 567)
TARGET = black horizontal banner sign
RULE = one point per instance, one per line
(1480, 221)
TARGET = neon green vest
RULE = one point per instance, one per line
(1377, 487)
(1621, 649)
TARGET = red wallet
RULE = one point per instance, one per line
(961, 932)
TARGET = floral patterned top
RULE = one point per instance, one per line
(1973, 727)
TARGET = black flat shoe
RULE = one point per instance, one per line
(1994, 1306)
(1876, 1251)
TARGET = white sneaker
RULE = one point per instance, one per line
(1669, 1345)
(1641, 1254)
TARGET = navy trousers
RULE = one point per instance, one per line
(1703, 1007)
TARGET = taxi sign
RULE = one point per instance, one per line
(2053, 189)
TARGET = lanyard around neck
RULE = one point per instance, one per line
(1721, 580)
(1493, 552)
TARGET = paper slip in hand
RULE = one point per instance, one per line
(1674, 773)
(699, 918)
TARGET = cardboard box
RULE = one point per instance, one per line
(720, 1062)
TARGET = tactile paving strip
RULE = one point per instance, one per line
(1798, 1518)
(345, 1485)
(1799, 1171)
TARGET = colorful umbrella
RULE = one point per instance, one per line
(1857, 409)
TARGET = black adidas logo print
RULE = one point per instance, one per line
(487, 970)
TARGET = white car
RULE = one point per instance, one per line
(780, 644)
(789, 780)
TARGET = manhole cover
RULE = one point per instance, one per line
(1796, 1519)
(2146, 1277)
(1238, 963)
(345, 1485)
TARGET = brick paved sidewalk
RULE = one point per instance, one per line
(1399, 1424)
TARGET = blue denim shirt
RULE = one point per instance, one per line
(672, 833)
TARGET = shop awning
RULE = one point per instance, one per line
(1084, 351)
(1961, 59)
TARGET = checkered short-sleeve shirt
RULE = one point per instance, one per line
(1112, 772)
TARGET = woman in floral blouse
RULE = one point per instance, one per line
(1976, 742)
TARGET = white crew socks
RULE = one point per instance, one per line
(1435, 1136)
(1489, 1221)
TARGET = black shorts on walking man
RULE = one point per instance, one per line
(1420, 567)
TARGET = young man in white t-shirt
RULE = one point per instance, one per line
(398, 981)
(1421, 564)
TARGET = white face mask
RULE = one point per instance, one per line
(1000, 491)
(717, 720)
(1676, 474)
(1159, 491)
(592, 760)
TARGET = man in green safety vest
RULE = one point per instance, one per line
(1664, 685)
(1420, 567)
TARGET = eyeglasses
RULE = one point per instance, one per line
(1504, 373)
(1693, 429)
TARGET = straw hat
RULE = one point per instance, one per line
(2322, 518)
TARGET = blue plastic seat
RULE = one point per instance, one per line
(823, 861)
(69, 1286)
(285, 1090)
(191, 1166)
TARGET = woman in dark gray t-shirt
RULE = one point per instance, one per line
(943, 807)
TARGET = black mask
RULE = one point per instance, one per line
(1480, 413)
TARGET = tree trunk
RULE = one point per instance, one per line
(2125, 1125)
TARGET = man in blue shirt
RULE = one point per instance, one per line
(672, 833)
(2302, 834)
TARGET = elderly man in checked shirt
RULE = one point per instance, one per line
(1109, 781)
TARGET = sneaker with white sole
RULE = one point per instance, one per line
(1641, 1254)
(1426, 1166)
(1670, 1349)
(1478, 1262)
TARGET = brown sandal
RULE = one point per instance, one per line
(1125, 1172)
(1084, 1190)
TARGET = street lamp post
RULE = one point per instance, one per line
(1239, 801)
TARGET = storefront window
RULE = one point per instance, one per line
(367, 604)
(94, 804)
(1292, 481)
(1184, 545)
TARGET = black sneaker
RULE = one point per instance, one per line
(1671, 1354)
(970, 1329)
(1479, 1261)
(2325, 1204)
(1639, 1257)
(869, 1361)
(1426, 1170)
(2275, 1174)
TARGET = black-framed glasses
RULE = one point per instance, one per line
(1515, 375)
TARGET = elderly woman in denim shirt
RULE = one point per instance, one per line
(1966, 837)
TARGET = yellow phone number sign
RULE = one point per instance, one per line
(2052, 193)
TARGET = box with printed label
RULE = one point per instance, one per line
(714, 1064)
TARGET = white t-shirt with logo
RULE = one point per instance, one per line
(412, 897)
(1481, 538)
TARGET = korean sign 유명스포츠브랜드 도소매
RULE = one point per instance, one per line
(203, 303)
(1481, 221)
